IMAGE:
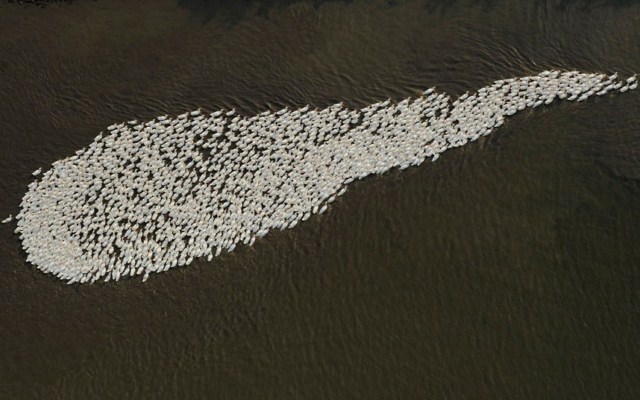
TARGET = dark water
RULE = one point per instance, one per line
(508, 269)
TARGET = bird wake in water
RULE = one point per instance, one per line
(151, 196)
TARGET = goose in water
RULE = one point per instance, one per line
(150, 196)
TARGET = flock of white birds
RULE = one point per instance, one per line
(146, 197)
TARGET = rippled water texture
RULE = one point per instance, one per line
(152, 196)
(507, 269)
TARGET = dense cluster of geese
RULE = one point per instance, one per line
(151, 196)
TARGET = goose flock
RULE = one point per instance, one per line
(146, 197)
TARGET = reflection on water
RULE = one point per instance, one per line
(507, 269)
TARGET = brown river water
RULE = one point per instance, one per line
(508, 269)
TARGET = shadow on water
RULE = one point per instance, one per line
(586, 4)
(234, 11)
(443, 6)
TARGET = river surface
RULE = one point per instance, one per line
(508, 269)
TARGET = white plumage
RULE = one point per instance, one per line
(151, 196)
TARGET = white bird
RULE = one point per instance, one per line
(152, 196)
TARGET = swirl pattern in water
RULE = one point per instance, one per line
(152, 196)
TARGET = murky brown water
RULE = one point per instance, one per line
(510, 268)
